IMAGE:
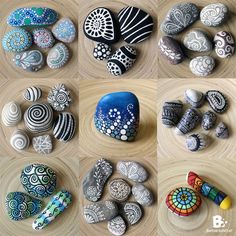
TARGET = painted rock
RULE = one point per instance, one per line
(117, 226)
(119, 189)
(194, 98)
(198, 41)
(100, 211)
(222, 131)
(17, 40)
(132, 170)
(43, 38)
(38, 180)
(59, 97)
(217, 101)
(117, 115)
(196, 142)
(32, 94)
(224, 44)
(56, 206)
(20, 140)
(214, 14)
(58, 56)
(102, 51)
(100, 26)
(171, 50)
(122, 60)
(39, 118)
(208, 120)
(33, 16)
(64, 127)
(171, 113)
(32, 60)
(20, 206)
(42, 144)
(180, 17)
(95, 180)
(11, 114)
(64, 30)
(135, 24)
(183, 201)
(202, 65)
(142, 195)
(188, 122)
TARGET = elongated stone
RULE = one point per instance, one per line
(194, 98)
(43, 38)
(11, 114)
(222, 131)
(208, 120)
(20, 140)
(32, 94)
(196, 142)
(117, 226)
(217, 101)
(42, 144)
(142, 195)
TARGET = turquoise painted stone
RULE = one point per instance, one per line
(20, 206)
(32, 16)
(17, 40)
(117, 115)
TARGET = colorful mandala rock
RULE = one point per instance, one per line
(43, 38)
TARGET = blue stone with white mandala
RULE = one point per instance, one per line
(117, 115)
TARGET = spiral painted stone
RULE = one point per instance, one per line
(39, 118)
(11, 114)
(43, 38)
(102, 51)
(17, 40)
(59, 97)
(58, 56)
(38, 180)
(20, 206)
(64, 127)
(32, 16)
(32, 94)
(20, 140)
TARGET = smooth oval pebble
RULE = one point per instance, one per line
(117, 226)
(58, 56)
(32, 60)
(38, 180)
(11, 114)
(202, 65)
(142, 195)
(21, 206)
(20, 140)
(119, 189)
(214, 14)
(194, 98)
(224, 44)
(208, 120)
(17, 40)
(132, 170)
(196, 142)
(43, 38)
(170, 49)
(217, 101)
(122, 60)
(42, 144)
(102, 51)
(222, 131)
(32, 94)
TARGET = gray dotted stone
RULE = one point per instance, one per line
(222, 131)
(208, 120)
(196, 142)
(142, 195)
(217, 101)
(102, 51)
(42, 144)
(117, 226)
(194, 98)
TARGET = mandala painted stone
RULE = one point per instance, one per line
(102, 51)
(33, 16)
(20, 140)
(43, 38)
(196, 142)
(32, 94)
(64, 30)
(95, 180)
(58, 56)
(42, 144)
(208, 120)
(135, 24)
(217, 101)
(117, 226)
(38, 180)
(59, 97)
(17, 40)
(56, 206)
(179, 18)
(32, 60)
(122, 60)
(100, 25)
(194, 98)
(183, 201)
(20, 206)
(117, 115)
(142, 195)
(222, 131)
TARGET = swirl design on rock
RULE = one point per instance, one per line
(20, 140)
(11, 114)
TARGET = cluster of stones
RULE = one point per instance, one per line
(118, 212)
(134, 25)
(19, 40)
(182, 16)
(39, 119)
(173, 115)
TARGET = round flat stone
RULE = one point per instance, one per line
(20, 140)
(119, 189)
(217, 101)
(117, 226)
(196, 142)
(142, 195)
(32, 94)
(102, 51)
(194, 98)
(42, 144)
(43, 38)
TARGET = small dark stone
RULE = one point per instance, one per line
(222, 131)
(208, 120)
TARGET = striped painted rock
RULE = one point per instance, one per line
(32, 94)
(11, 114)
(20, 140)
(43, 38)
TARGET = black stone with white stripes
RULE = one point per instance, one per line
(64, 127)
(135, 24)
(32, 94)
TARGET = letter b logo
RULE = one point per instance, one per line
(219, 222)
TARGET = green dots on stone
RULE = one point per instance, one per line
(39, 11)
(27, 21)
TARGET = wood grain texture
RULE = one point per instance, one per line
(146, 65)
(225, 68)
(68, 8)
(95, 144)
(150, 213)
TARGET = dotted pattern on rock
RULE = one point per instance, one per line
(102, 51)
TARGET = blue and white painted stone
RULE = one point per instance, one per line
(43, 38)
(117, 115)
(32, 94)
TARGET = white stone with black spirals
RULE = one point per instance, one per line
(11, 114)
(32, 94)
(20, 140)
